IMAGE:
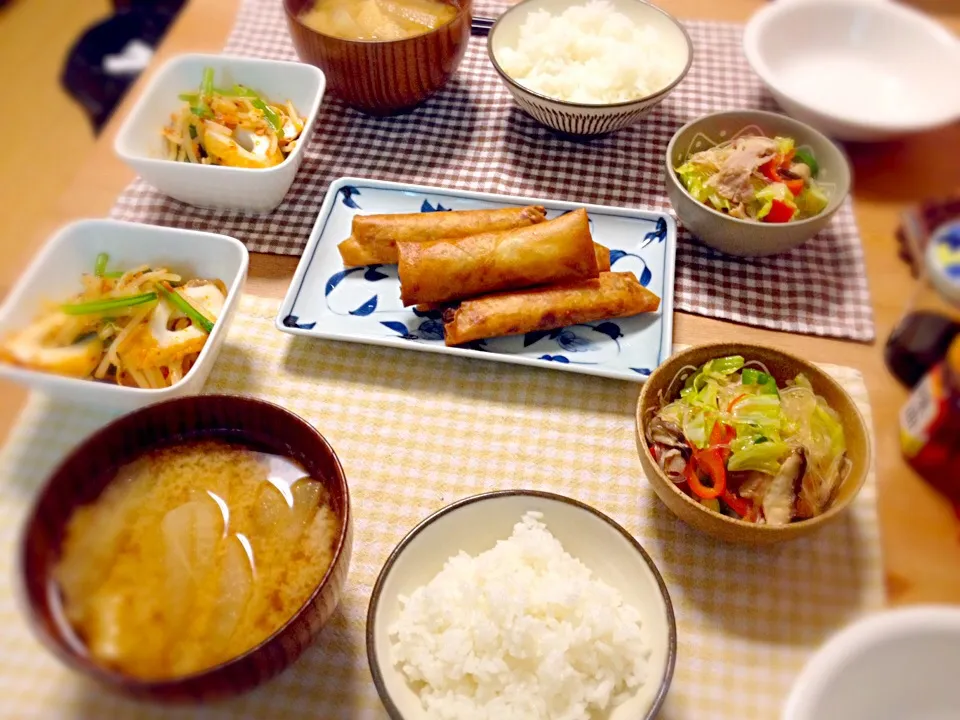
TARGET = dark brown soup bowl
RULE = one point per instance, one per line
(383, 77)
(85, 473)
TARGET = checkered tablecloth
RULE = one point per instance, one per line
(472, 136)
(416, 431)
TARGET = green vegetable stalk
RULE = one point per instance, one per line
(97, 307)
(181, 303)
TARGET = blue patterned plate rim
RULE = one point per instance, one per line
(351, 188)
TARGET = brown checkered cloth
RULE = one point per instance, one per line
(472, 136)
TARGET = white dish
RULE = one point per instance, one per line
(856, 69)
(576, 118)
(139, 143)
(363, 304)
(55, 273)
(474, 525)
(889, 666)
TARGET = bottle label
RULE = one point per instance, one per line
(919, 417)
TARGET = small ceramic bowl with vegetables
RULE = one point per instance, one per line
(748, 182)
(223, 132)
(121, 315)
(750, 444)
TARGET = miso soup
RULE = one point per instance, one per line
(192, 555)
(377, 19)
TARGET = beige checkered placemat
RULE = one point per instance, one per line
(416, 431)
(472, 136)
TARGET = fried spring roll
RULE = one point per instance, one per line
(603, 265)
(612, 295)
(374, 238)
(556, 251)
(603, 257)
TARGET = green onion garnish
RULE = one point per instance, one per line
(96, 307)
(241, 91)
(268, 113)
(259, 104)
(100, 264)
(206, 85)
(181, 303)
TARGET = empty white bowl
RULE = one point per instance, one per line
(890, 666)
(856, 69)
(474, 525)
(54, 275)
(140, 145)
(588, 120)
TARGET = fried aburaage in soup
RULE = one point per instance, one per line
(192, 555)
(377, 19)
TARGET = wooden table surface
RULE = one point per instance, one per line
(921, 536)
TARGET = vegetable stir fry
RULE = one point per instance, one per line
(739, 444)
(757, 178)
(143, 327)
(231, 126)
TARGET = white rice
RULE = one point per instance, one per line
(519, 632)
(589, 54)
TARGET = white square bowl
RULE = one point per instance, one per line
(54, 275)
(140, 145)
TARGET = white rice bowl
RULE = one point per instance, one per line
(519, 632)
(589, 54)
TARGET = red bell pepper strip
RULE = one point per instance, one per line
(722, 434)
(712, 463)
(740, 506)
(780, 212)
(720, 438)
(771, 171)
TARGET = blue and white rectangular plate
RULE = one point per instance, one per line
(362, 304)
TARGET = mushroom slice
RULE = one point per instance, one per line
(779, 499)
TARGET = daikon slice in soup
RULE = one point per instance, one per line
(211, 545)
(377, 19)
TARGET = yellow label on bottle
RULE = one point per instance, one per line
(920, 412)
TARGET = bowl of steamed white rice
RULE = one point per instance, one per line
(589, 67)
(520, 605)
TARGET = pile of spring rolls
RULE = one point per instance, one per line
(508, 271)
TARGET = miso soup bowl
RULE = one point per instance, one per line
(84, 474)
(383, 77)
(783, 367)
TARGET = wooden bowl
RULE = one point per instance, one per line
(383, 77)
(85, 473)
(783, 367)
